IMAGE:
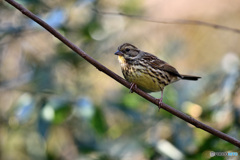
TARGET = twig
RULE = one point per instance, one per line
(102, 68)
(171, 21)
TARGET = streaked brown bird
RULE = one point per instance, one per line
(146, 71)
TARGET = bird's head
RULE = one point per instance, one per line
(127, 52)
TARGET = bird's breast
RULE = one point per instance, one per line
(142, 78)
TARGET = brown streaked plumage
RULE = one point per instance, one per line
(146, 71)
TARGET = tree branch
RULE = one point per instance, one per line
(102, 68)
(171, 21)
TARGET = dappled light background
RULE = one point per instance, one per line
(55, 105)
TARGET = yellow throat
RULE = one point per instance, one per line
(122, 61)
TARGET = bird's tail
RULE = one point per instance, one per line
(189, 77)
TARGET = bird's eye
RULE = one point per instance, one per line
(127, 49)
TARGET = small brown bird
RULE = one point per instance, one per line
(146, 71)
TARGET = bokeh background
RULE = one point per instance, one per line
(55, 105)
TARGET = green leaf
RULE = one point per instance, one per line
(98, 122)
(62, 113)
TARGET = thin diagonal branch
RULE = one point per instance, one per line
(171, 21)
(102, 68)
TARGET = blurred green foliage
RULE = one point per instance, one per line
(55, 105)
(98, 122)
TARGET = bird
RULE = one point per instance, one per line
(146, 71)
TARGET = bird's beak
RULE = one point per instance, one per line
(119, 53)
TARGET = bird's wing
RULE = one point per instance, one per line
(170, 69)
(156, 63)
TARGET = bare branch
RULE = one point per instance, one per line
(102, 68)
(171, 21)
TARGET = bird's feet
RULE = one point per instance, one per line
(132, 86)
(160, 103)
